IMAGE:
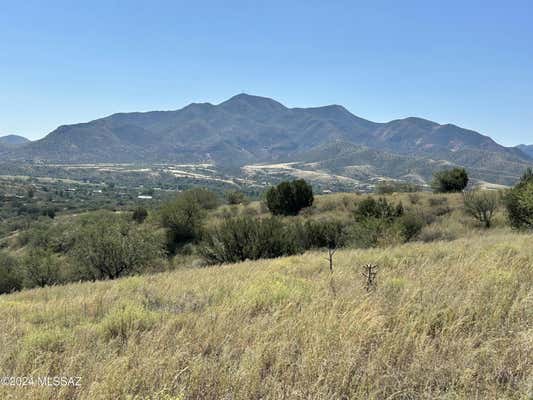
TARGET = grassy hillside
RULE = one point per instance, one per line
(448, 320)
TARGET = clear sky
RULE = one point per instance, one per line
(464, 62)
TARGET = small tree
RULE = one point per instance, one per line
(108, 247)
(235, 197)
(41, 268)
(183, 219)
(449, 181)
(10, 277)
(331, 235)
(288, 198)
(481, 205)
(519, 202)
(205, 198)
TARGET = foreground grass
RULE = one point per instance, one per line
(449, 320)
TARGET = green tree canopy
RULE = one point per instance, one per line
(449, 181)
(288, 198)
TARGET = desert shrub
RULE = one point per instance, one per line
(376, 223)
(288, 198)
(438, 207)
(449, 181)
(205, 198)
(396, 187)
(372, 232)
(139, 214)
(411, 224)
(519, 202)
(41, 268)
(241, 238)
(380, 209)
(183, 220)
(49, 340)
(54, 237)
(235, 197)
(481, 205)
(108, 247)
(329, 234)
(10, 276)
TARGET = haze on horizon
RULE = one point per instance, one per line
(466, 64)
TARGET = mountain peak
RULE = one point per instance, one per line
(243, 101)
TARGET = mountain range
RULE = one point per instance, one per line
(527, 149)
(250, 129)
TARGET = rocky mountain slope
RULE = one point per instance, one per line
(250, 129)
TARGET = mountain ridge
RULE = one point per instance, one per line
(250, 129)
(526, 148)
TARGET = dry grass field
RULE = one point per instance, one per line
(448, 320)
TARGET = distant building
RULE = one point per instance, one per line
(144, 197)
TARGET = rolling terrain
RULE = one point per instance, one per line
(448, 320)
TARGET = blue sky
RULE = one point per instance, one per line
(464, 62)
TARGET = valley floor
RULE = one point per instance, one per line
(448, 320)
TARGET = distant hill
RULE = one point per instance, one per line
(527, 149)
(250, 129)
(13, 140)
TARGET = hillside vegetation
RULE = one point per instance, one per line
(397, 295)
(448, 320)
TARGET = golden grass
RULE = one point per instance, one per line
(448, 320)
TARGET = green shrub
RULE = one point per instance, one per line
(41, 268)
(50, 340)
(481, 205)
(107, 247)
(329, 234)
(519, 202)
(449, 181)
(380, 209)
(183, 219)
(288, 198)
(410, 224)
(10, 276)
(372, 232)
(205, 198)
(241, 238)
(139, 214)
(235, 197)
(54, 237)
(377, 222)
